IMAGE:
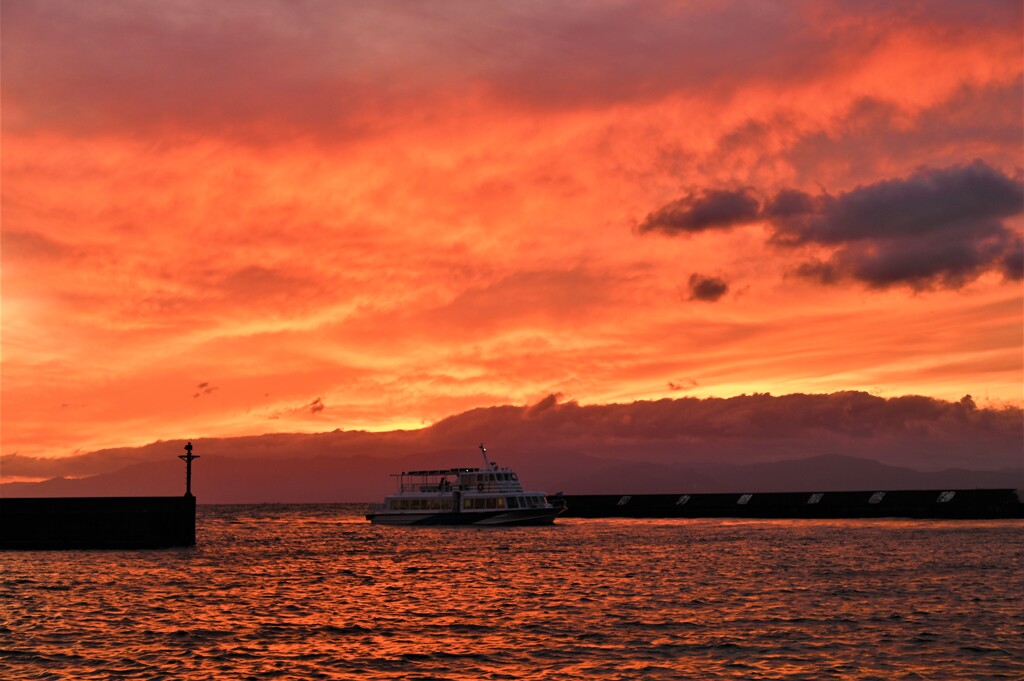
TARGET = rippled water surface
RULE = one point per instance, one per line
(316, 592)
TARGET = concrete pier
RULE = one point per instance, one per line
(97, 523)
(960, 503)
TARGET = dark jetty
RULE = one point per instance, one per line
(97, 523)
(101, 522)
(960, 503)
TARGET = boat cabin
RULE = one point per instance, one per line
(455, 489)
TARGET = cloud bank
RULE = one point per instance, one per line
(913, 431)
(937, 228)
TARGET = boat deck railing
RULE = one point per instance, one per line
(419, 487)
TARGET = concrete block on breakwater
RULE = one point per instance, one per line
(97, 523)
(959, 503)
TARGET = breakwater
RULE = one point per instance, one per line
(958, 503)
(97, 523)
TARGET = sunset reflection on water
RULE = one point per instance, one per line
(316, 592)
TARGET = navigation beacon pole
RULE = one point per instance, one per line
(187, 458)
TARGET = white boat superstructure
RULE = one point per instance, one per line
(491, 495)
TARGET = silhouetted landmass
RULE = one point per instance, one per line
(755, 443)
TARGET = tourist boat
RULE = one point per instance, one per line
(464, 496)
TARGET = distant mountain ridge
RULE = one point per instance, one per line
(748, 443)
(223, 480)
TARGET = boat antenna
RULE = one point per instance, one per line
(486, 460)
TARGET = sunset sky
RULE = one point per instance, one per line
(246, 217)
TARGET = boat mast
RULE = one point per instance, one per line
(487, 463)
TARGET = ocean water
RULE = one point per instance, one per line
(315, 592)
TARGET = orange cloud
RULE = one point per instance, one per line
(407, 214)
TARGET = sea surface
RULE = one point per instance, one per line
(316, 592)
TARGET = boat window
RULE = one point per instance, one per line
(467, 503)
(514, 476)
(492, 503)
(513, 502)
(501, 502)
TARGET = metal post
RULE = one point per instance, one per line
(187, 458)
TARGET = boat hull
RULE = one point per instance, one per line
(505, 518)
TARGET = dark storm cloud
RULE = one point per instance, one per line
(942, 202)
(937, 227)
(710, 209)
(707, 289)
(789, 203)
